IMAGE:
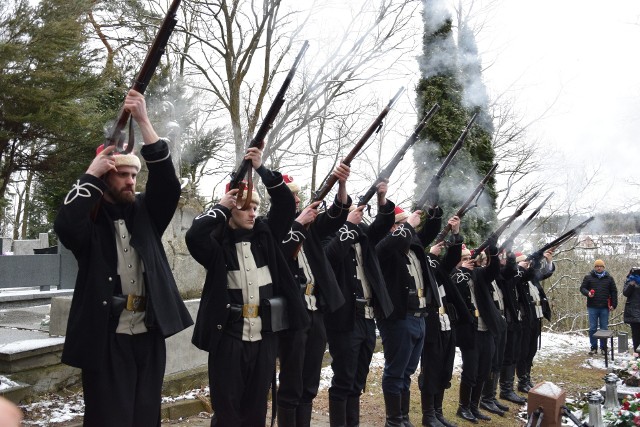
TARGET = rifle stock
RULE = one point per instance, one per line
(560, 240)
(151, 61)
(509, 241)
(466, 205)
(397, 158)
(435, 180)
(245, 166)
(330, 181)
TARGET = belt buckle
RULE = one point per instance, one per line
(476, 313)
(136, 303)
(420, 292)
(417, 314)
(309, 289)
(250, 310)
(441, 310)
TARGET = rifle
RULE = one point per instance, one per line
(466, 206)
(395, 161)
(509, 242)
(496, 234)
(258, 140)
(142, 79)
(560, 240)
(435, 180)
(567, 413)
(375, 127)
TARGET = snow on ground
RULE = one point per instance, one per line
(55, 409)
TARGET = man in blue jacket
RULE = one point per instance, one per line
(602, 296)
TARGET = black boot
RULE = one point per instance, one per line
(393, 405)
(303, 414)
(506, 385)
(353, 411)
(494, 388)
(476, 392)
(464, 408)
(405, 405)
(523, 385)
(286, 417)
(488, 398)
(437, 403)
(529, 383)
(337, 413)
(427, 401)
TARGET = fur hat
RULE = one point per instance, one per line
(293, 186)
(400, 214)
(255, 197)
(520, 256)
(123, 159)
(465, 251)
(598, 263)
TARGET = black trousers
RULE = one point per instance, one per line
(500, 342)
(635, 335)
(125, 390)
(436, 363)
(240, 374)
(301, 354)
(476, 362)
(528, 347)
(512, 344)
(351, 352)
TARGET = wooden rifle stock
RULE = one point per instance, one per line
(435, 180)
(395, 161)
(466, 205)
(509, 241)
(244, 170)
(560, 240)
(147, 70)
(496, 234)
(330, 181)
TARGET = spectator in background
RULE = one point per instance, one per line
(631, 290)
(602, 297)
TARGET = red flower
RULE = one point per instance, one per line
(626, 405)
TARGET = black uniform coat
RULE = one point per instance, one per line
(439, 271)
(339, 253)
(208, 239)
(482, 278)
(84, 227)
(326, 223)
(392, 254)
(507, 284)
(534, 275)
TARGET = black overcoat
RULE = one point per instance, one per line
(84, 227)
(208, 239)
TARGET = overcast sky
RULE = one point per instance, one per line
(580, 60)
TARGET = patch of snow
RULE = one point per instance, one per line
(6, 383)
(27, 345)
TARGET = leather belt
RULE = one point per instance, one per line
(417, 313)
(136, 303)
(308, 290)
(250, 311)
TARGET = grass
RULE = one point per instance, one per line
(566, 372)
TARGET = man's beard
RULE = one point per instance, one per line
(122, 197)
